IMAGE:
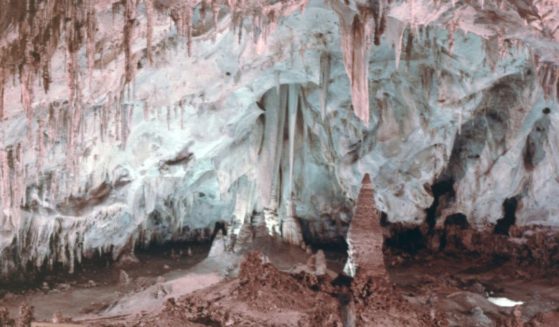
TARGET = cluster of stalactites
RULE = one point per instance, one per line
(356, 31)
(548, 75)
(40, 26)
(12, 185)
(190, 16)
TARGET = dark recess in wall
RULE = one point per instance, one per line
(509, 219)
(457, 219)
(409, 240)
(439, 188)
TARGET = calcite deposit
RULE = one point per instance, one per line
(365, 236)
(130, 122)
(400, 129)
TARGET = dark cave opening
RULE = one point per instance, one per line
(409, 240)
(509, 209)
(219, 226)
(457, 219)
(438, 189)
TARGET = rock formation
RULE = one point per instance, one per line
(25, 316)
(132, 122)
(291, 228)
(365, 237)
(374, 299)
(260, 296)
(5, 319)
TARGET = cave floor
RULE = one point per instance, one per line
(465, 288)
(462, 285)
(96, 285)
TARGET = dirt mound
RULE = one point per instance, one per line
(261, 296)
(377, 302)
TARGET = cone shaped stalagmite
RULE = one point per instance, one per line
(365, 236)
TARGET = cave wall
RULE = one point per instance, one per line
(192, 140)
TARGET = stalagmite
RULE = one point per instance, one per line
(324, 82)
(320, 263)
(365, 237)
(219, 245)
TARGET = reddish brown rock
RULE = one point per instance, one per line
(365, 237)
(25, 315)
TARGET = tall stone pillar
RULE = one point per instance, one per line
(365, 237)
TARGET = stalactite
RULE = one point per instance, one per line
(460, 116)
(146, 110)
(203, 9)
(168, 115)
(325, 62)
(27, 99)
(124, 124)
(291, 229)
(19, 187)
(395, 34)
(101, 123)
(52, 123)
(548, 76)
(130, 119)
(409, 46)
(182, 116)
(378, 10)
(116, 107)
(451, 29)
(2, 83)
(188, 23)
(215, 9)
(293, 102)
(282, 108)
(5, 181)
(40, 146)
(149, 32)
(274, 102)
(91, 26)
(129, 22)
(75, 106)
(354, 47)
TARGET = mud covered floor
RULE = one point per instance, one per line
(423, 290)
(95, 286)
